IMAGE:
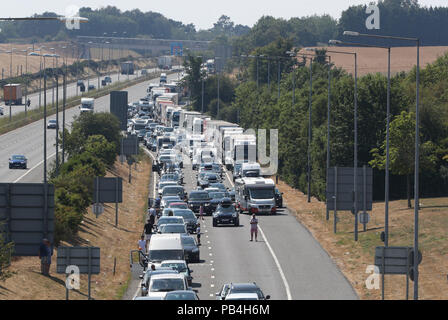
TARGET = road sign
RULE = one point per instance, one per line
(98, 209)
(119, 107)
(27, 216)
(396, 260)
(86, 259)
(129, 145)
(108, 190)
(176, 48)
(364, 217)
(345, 188)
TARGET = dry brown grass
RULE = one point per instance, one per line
(354, 257)
(373, 60)
(29, 284)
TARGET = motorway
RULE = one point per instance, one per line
(72, 91)
(28, 140)
(286, 262)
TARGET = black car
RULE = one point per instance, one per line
(191, 249)
(202, 181)
(226, 214)
(278, 198)
(196, 199)
(17, 161)
(91, 87)
(190, 219)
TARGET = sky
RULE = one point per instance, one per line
(202, 13)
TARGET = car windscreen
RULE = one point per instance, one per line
(170, 220)
(161, 255)
(165, 285)
(217, 195)
(199, 196)
(186, 214)
(227, 209)
(177, 228)
(172, 190)
(248, 290)
(139, 126)
(188, 241)
(18, 157)
(181, 267)
(181, 296)
(262, 193)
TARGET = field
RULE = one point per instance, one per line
(354, 257)
(373, 60)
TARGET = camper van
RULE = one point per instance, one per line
(255, 195)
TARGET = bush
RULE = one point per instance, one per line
(98, 147)
(67, 221)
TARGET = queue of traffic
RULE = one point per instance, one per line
(217, 150)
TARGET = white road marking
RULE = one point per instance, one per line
(277, 263)
(212, 285)
(25, 174)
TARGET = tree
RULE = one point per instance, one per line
(402, 150)
(193, 80)
(6, 250)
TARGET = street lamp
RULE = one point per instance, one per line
(355, 147)
(417, 144)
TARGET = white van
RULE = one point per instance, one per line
(255, 195)
(165, 247)
(250, 170)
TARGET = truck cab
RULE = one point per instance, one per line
(255, 195)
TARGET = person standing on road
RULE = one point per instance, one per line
(148, 231)
(253, 227)
(201, 212)
(198, 233)
(142, 244)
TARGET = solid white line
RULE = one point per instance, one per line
(277, 263)
(25, 174)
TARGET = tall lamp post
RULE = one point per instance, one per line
(417, 144)
(355, 147)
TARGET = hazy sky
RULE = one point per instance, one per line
(202, 13)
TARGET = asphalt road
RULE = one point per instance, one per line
(72, 91)
(28, 140)
(286, 262)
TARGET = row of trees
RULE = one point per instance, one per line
(92, 146)
(260, 107)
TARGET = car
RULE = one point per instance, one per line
(168, 199)
(181, 295)
(91, 87)
(278, 198)
(189, 217)
(202, 181)
(149, 273)
(226, 213)
(160, 284)
(242, 296)
(215, 199)
(197, 198)
(180, 266)
(169, 220)
(232, 288)
(172, 228)
(178, 205)
(191, 249)
(52, 124)
(218, 185)
(164, 183)
(174, 190)
(212, 178)
(108, 79)
(18, 161)
(148, 298)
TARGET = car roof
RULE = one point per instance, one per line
(237, 296)
(168, 276)
(245, 285)
(173, 261)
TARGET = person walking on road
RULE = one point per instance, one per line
(201, 212)
(198, 233)
(148, 231)
(253, 228)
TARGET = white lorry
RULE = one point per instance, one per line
(87, 105)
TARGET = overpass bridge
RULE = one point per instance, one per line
(155, 47)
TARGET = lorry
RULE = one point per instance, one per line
(127, 67)
(12, 94)
(164, 62)
(87, 105)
